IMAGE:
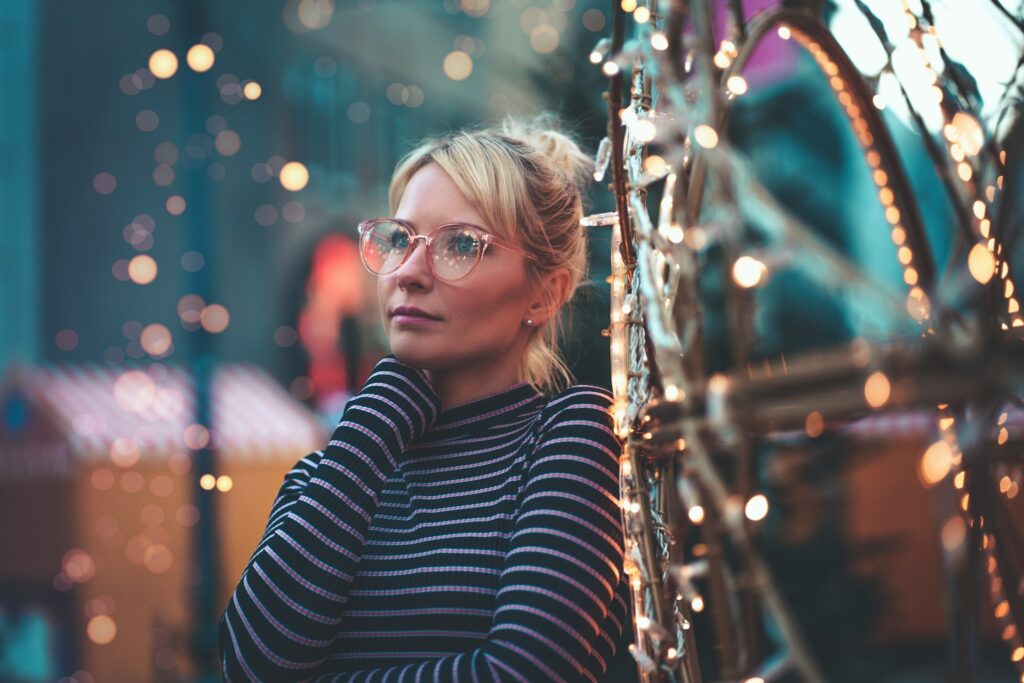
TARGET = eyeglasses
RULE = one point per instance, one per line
(453, 249)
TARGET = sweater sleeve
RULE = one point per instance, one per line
(561, 577)
(285, 611)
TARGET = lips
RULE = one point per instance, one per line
(412, 311)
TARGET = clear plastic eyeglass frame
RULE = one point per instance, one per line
(484, 237)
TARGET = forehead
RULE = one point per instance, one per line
(431, 198)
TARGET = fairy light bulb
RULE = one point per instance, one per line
(877, 390)
(756, 508)
(748, 272)
(696, 514)
(706, 136)
(981, 263)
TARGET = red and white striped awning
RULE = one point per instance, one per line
(100, 410)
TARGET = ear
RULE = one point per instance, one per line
(548, 296)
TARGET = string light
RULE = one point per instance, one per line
(935, 464)
(965, 141)
(748, 272)
(737, 85)
(877, 390)
(706, 136)
(696, 514)
(756, 508)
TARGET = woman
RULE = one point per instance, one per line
(460, 525)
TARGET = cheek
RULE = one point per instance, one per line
(487, 309)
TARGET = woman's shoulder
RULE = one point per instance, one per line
(577, 432)
(579, 403)
(581, 394)
(582, 391)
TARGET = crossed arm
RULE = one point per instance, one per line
(560, 601)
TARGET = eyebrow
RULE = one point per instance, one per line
(464, 222)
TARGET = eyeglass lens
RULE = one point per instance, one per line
(453, 252)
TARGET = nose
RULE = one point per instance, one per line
(415, 272)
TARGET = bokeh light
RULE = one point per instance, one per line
(78, 565)
(190, 308)
(227, 143)
(175, 205)
(147, 120)
(285, 336)
(593, 20)
(101, 629)
(314, 14)
(200, 58)
(706, 136)
(544, 39)
(124, 452)
(748, 272)
(192, 261)
(475, 8)
(293, 212)
(981, 263)
(142, 269)
(935, 464)
(358, 112)
(102, 479)
(187, 515)
(157, 558)
(66, 340)
(158, 24)
(757, 507)
(877, 390)
(265, 215)
(132, 482)
(301, 388)
(104, 183)
(163, 64)
(196, 437)
(294, 176)
(214, 318)
(156, 340)
(457, 65)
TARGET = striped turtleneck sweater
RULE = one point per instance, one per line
(479, 543)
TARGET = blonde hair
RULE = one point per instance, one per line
(525, 177)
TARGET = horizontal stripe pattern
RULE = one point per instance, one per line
(482, 543)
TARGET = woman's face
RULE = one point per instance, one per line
(481, 317)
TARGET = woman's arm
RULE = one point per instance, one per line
(284, 614)
(563, 567)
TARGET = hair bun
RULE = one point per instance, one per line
(545, 133)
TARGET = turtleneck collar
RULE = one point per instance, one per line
(480, 413)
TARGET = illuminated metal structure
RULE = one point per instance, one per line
(690, 456)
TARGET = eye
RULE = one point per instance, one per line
(399, 239)
(465, 244)
(461, 243)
